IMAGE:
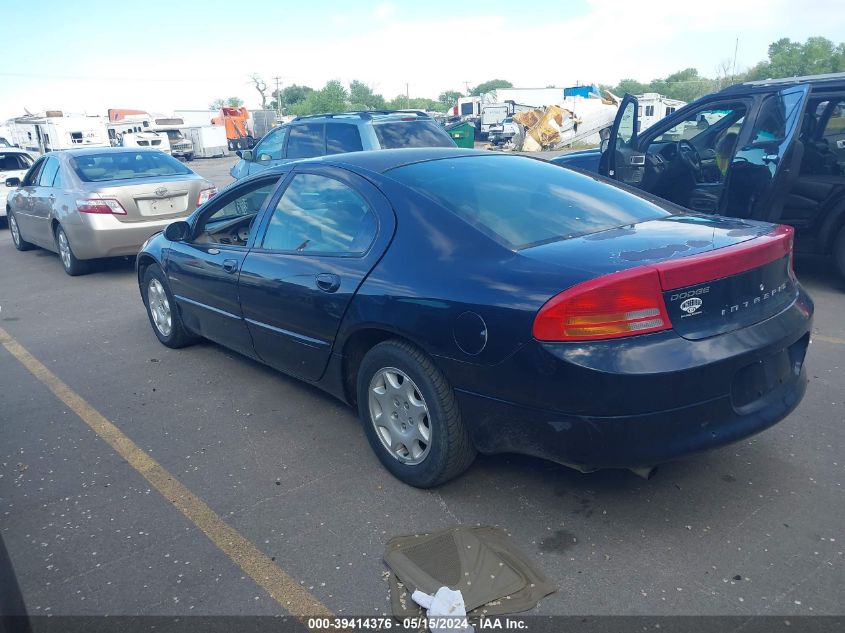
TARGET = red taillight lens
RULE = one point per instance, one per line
(621, 304)
(108, 206)
(206, 195)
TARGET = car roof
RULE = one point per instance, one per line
(12, 150)
(363, 116)
(383, 160)
(765, 85)
(83, 151)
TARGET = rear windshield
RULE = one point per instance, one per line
(521, 202)
(396, 134)
(126, 165)
(14, 162)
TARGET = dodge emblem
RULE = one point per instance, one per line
(690, 306)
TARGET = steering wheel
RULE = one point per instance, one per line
(689, 155)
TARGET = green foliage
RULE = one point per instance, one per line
(231, 102)
(362, 97)
(401, 102)
(333, 97)
(448, 99)
(818, 55)
(289, 96)
(487, 86)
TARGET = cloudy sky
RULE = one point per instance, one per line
(87, 56)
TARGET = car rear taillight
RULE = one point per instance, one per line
(106, 206)
(631, 301)
(620, 304)
(205, 195)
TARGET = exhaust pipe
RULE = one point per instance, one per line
(646, 472)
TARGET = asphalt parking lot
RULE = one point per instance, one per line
(754, 528)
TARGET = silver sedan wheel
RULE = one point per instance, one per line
(400, 416)
(64, 248)
(159, 307)
(16, 233)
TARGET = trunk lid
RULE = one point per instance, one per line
(155, 199)
(716, 274)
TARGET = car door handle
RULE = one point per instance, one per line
(327, 282)
(230, 265)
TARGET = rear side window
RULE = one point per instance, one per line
(305, 141)
(14, 162)
(320, 215)
(341, 138)
(521, 202)
(48, 173)
(122, 165)
(414, 133)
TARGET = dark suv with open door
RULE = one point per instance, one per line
(769, 150)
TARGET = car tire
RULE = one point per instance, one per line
(162, 310)
(189, 157)
(396, 379)
(839, 252)
(72, 265)
(17, 239)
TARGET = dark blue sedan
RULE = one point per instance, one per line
(465, 301)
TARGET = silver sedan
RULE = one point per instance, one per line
(91, 203)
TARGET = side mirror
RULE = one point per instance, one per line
(246, 154)
(604, 145)
(13, 182)
(177, 231)
(238, 153)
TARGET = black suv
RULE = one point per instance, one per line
(322, 134)
(770, 150)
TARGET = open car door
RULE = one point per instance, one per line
(765, 167)
(621, 160)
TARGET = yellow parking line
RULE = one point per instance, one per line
(281, 586)
(829, 339)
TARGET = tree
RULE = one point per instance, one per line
(289, 96)
(401, 102)
(449, 98)
(231, 102)
(331, 98)
(790, 59)
(362, 97)
(261, 87)
(487, 86)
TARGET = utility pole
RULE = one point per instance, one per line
(278, 97)
(733, 71)
(466, 85)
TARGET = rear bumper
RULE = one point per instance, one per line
(105, 236)
(648, 400)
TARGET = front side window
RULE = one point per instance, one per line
(231, 219)
(272, 146)
(14, 162)
(31, 177)
(306, 141)
(48, 173)
(700, 121)
(320, 215)
(124, 165)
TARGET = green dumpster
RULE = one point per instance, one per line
(463, 134)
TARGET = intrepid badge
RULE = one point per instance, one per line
(691, 306)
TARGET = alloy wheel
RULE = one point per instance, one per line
(13, 227)
(64, 249)
(159, 307)
(400, 416)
